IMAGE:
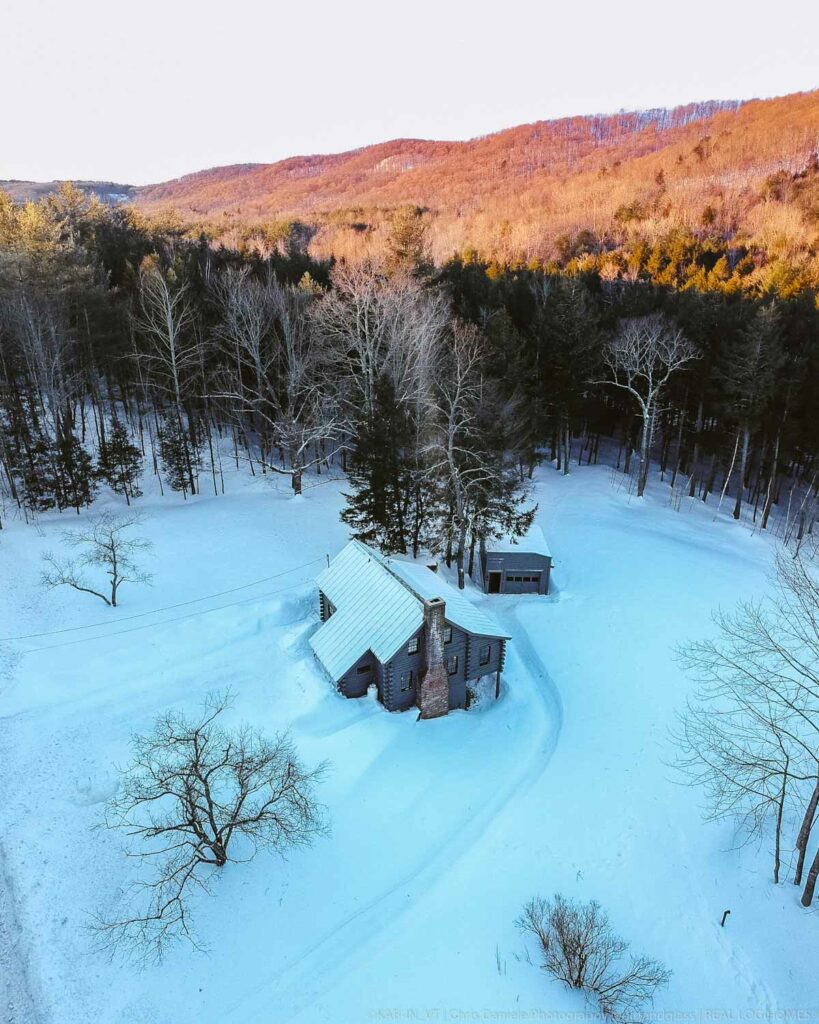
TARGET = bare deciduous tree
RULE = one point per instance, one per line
(471, 472)
(105, 546)
(273, 374)
(197, 796)
(641, 358)
(165, 318)
(373, 325)
(750, 734)
(578, 946)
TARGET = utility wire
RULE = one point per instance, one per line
(166, 608)
(166, 622)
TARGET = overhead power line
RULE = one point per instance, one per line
(166, 622)
(165, 608)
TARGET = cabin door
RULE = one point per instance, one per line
(494, 583)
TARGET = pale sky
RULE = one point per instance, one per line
(148, 91)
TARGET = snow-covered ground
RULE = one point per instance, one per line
(440, 830)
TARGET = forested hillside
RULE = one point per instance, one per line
(127, 345)
(743, 174)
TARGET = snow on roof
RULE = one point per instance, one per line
(459, 609)
(379, 606)
(374, 611)
(532, 541)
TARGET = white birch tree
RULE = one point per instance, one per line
(641, 358)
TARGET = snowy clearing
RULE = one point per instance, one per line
(441, 830)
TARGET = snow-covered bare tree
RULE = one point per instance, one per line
(104, 544)
(196, 796)
(641, 357)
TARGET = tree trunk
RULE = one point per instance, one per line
(642, 475)
(219, 853)
(471, 567)
(766, 511)
(810, 885)
(804, 833)
(780, 811)
(296, 481)
(460, 557)
(743, 463)
(711, 479)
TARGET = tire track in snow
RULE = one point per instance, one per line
(316, 970)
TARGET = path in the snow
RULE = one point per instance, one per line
(16, 1001)
(316, 969)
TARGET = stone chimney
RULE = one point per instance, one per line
(433, 693)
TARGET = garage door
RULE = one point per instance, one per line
(523, 582)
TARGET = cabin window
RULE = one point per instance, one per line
(447, 634)
(412, 646)
(406, 681)
(452, 665)
(484, 653)
(364, 668)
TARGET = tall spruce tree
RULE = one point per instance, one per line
(379, 510)
(75, 476)
(120, 462)
(37, 477)
(180, 459)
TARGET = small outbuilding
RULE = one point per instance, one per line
(399, 626)
(515, 565)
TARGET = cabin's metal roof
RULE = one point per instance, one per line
(533, 541)
(459, 609)
(379, 606)
(374, 611)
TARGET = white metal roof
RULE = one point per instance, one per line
(379, 606)
(374, 611)
(459, 609)
(532, 541)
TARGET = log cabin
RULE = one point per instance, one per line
(399, 626)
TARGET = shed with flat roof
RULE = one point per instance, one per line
(515, 565)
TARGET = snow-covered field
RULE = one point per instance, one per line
(440, 830)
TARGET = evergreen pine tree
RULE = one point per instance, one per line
(120, 462)
(75, 476)
(180, 459)
(407, 242)
(37, 478)
(380, 509)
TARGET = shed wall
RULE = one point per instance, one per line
(516, 563)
